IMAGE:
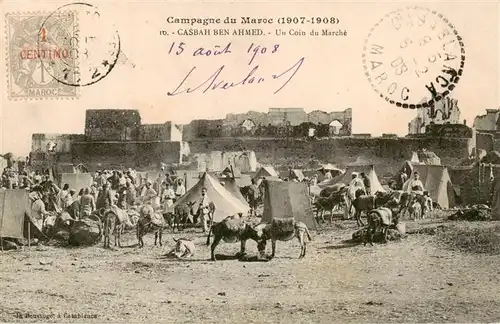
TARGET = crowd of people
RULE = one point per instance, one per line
(127, 188)
(109, 187)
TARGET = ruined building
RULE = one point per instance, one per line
(113, 138)
(278, 122)
(116, 138)
(489, 122)
(446, 111)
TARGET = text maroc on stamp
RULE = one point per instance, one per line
(28, 76)
(52, 54)
(413, 57)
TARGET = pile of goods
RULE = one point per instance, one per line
(472, 213)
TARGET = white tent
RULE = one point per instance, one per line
(414, 158)
(437, 182)
(226, 204)
(368, 169)
(266, 171)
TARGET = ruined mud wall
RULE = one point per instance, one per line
(388, 154)
(131, 154)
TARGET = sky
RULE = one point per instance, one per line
(330, 78)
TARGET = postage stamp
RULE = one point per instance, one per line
(413, 57)
(96, 44)
(30, 47)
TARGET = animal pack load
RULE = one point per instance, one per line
(85, 232)
(287, 200)
(121, 214)
(281, 225)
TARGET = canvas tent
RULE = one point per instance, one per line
(368, 169)
(232, 171)
(476, 184)
(14, 215)
(458, 173)
(242, 180)
(266, 171)
(495, 205)
(334, 171)
(189, 177)
(406, 168)
(285, 199)
(296, 174)
(315, 190)
(247, 161)
(414, 158)
(231, 185)
(13, 206)
(226, 204)
(437, 182)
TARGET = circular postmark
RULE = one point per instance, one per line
(77, 46)
(413, 57)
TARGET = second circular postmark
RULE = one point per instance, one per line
(86, 52)
(413, 57)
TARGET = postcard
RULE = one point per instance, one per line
(345, 146)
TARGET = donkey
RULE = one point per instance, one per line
(148, 222)
(114, 220)
(280, 230)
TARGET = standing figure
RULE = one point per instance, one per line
(203, 210)
(367, 183)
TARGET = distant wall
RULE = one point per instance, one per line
(202, 128)
(64, 141)
(112, 124)
(488, 140)
(154, 132)
(487, 122)
(386, 153)
(138, 154)
(485, 141)
(278, 122)
(294, 117)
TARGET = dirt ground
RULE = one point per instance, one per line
(413, 280)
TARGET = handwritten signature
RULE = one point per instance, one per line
(216, 82)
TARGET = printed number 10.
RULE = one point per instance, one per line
(180, 48)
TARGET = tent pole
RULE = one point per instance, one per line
(1, 220)
(232, 171)
(29, 233)
(479, 179)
